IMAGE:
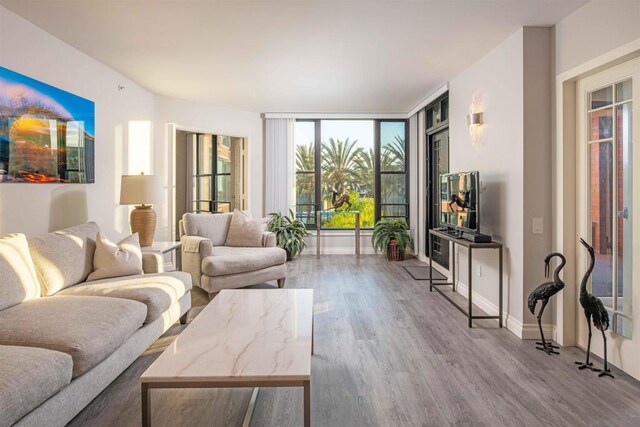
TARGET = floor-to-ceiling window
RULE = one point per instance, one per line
(361, 163)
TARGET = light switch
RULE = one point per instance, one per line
(538, 226)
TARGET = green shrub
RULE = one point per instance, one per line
(365, 205)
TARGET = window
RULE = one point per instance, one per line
(362, 159)
(393, 177)
(305, 151)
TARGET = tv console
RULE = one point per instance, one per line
(471, 246)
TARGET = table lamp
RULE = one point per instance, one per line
(143, 191)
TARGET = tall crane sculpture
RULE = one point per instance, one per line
(543, 293)
(593, 310)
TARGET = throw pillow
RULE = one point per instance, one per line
(244, 231)
(115, 260)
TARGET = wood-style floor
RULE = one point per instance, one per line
(389, 353)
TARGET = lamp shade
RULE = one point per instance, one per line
(141, 190)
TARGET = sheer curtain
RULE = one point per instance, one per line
(279, 165)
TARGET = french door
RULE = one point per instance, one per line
(212, 189)
(609, 206)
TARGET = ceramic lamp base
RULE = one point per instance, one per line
(143, 222)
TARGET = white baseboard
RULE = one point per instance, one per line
(525, 331)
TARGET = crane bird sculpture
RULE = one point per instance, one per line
(543, 293)
(593, 310)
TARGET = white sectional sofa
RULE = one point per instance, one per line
(63, 340)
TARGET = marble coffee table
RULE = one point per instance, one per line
(243, 338)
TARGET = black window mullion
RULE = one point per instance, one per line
(197, 173)
(407, 181)
(377, 177)
(318, 169)
(214, 172)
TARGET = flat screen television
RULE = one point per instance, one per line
(460, 201)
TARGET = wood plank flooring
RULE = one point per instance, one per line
(390, 353)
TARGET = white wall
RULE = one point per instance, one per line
(207, 118)
(596, 28)
(498, 78)
(596, 36)
(538, 89)
(35, 209)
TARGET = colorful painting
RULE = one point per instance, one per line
(46, 134)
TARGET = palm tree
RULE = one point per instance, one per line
(305, 179)
(340, 165)
(305, 158)
(393, 155)
(365, 176)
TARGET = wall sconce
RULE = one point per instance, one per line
(475, 119)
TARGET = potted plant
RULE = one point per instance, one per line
(290, 233)
(391, 237)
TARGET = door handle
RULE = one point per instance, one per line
(624, 213)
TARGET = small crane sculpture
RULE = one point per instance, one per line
(543, 293)
(593, 309)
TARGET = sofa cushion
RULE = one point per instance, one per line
(65, 257)
(87, 328)
(18, 280)
(29, 377)
(157, 291)
(212, 226)
(246, 232)
(227, 260)
(116, 260)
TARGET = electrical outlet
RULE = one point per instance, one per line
(538, 226)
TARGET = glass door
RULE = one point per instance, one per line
(607, 169)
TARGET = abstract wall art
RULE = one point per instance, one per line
(47, 135)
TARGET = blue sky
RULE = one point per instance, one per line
(81, 109)
(362, 130)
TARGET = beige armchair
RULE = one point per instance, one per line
(214, 266)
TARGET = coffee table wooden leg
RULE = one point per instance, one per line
(307, 403)
(146, 406)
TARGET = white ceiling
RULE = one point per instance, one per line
(295, 56)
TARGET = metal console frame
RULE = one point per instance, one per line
(471, 246)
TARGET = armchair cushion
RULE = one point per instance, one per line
(245, 232)
(227, 260)
(211, 226)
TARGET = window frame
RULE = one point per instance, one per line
(377, 173)
(213, 186)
